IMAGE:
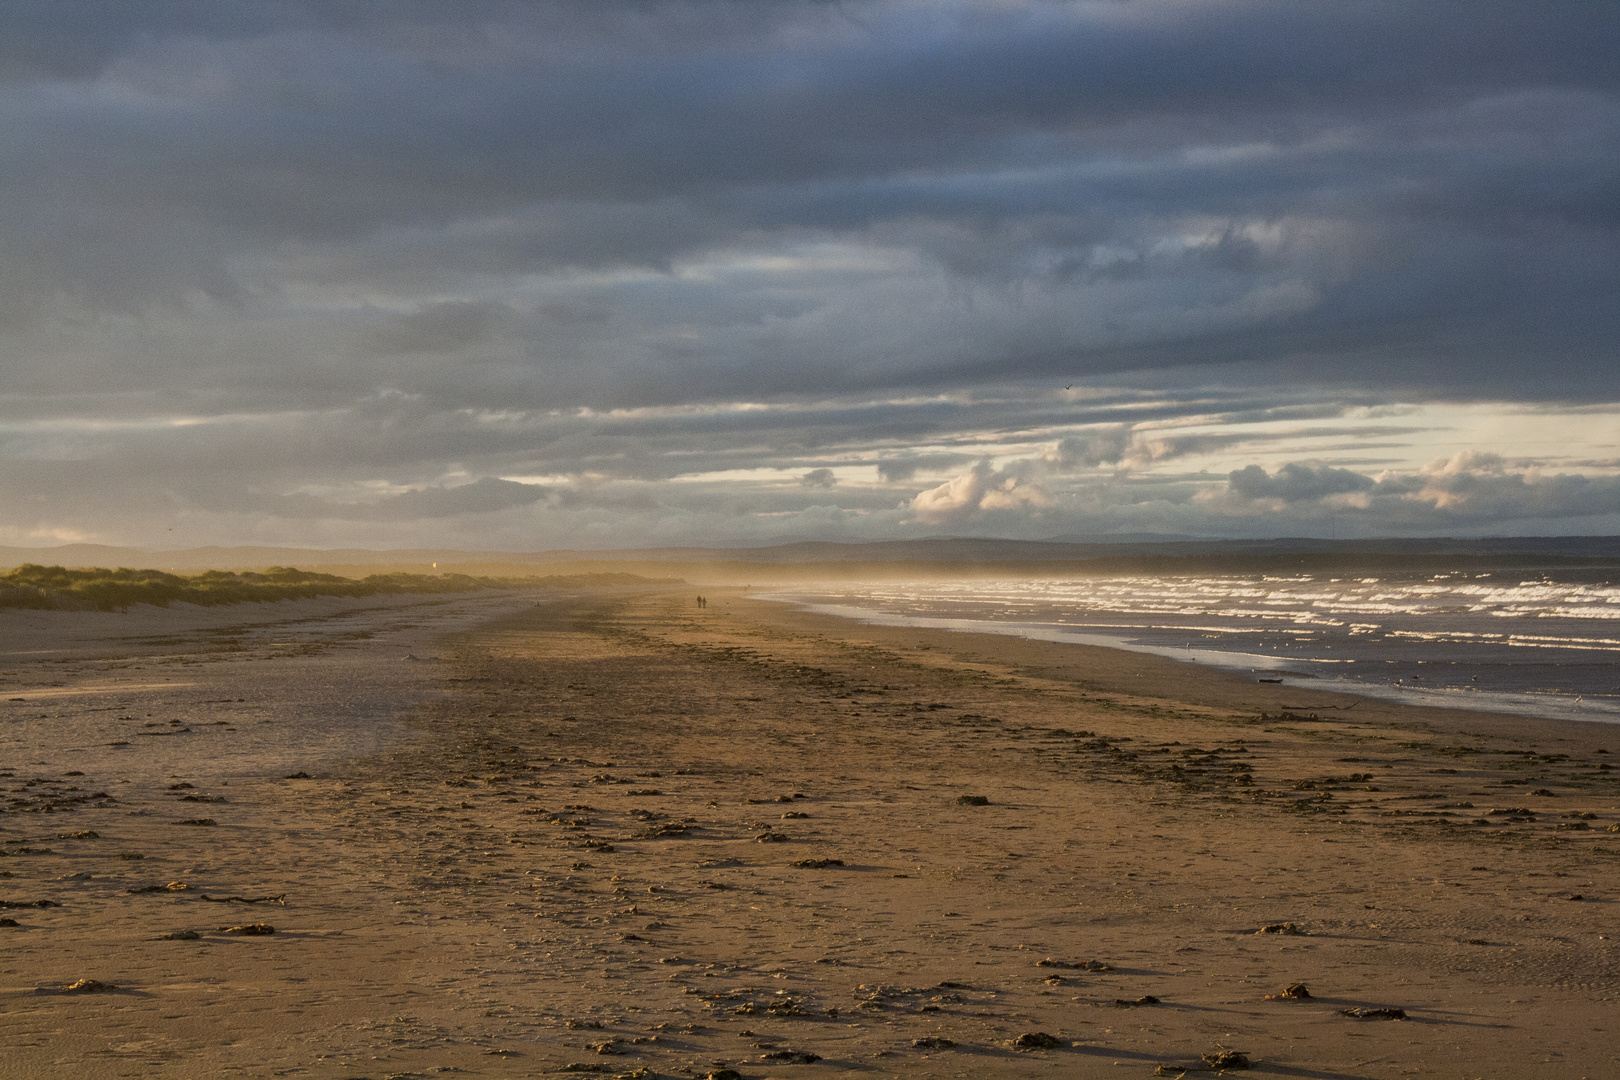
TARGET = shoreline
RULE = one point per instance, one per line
(1178, 681)
(624, 833)
(1522, 703)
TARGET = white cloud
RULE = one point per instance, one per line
(981, 488)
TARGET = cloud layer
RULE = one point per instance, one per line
(518, 275)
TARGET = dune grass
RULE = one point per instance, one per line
(62, 589)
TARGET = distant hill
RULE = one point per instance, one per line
(1161, 552)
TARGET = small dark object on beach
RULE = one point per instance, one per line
(131, 855)
(1357, 1013)
(181, 935)
(644, 791)
(1295, 992)
(28, 903)
(9, 922)
(257, 929)
(578, 1025)
(88, 986)
(1036, 1040)
(818, 864)
(1078, 965)
(1279, 928)
(297, 776)
(1145, 999)
(204, 821)
(1222, 1058)
(1544, 793)
(792, 1057)
(88, 834)
(771, 837)
(722, 1074)
(279, 898)
(173, 886)
(204, 798)
(665, 830)
(932, 1042)
(794, 815)
(972, 800)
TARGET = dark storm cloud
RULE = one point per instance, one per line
(292, 246)
(437, 328)
(823, 478)
(1471, 487)
(1295, 482)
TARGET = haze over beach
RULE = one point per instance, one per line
(704, 538)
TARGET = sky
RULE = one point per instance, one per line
(597, 274)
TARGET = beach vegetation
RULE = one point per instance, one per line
(63, 589)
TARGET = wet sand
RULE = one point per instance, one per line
(610, 832)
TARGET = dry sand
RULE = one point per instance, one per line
(610, 832)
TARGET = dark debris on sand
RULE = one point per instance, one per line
(1291, 992)
(1358, 1013)
(1222, 1058)
(1037, 1040)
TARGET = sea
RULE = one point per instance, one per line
(1537, 644)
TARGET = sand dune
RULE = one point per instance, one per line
(613, 834)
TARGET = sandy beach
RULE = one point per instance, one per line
(610, 833)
